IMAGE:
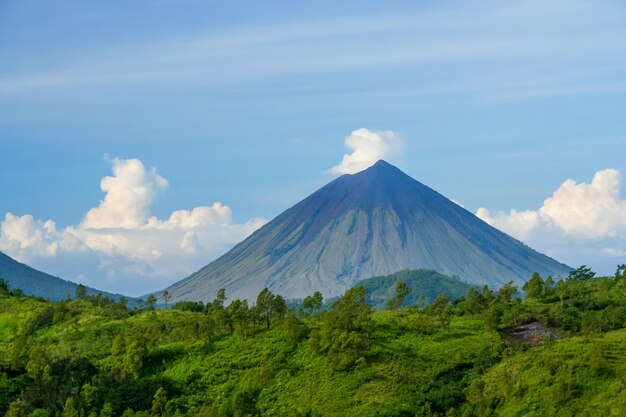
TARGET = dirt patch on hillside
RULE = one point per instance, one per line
(532, 333)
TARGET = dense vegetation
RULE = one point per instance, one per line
(423, 283)
(95, 357)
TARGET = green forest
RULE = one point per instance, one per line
(473, 355)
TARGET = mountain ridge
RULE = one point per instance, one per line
(41, 284)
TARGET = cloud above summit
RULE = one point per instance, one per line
(122, 240)
(366, 148)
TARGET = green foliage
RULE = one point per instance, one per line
(314, 302)
(81, 292)
(151, 301)
(94, 358)
(424, 284)
(265, 305)
(166, 296)
(534, 287)
(402, 290)
(4, 286)
(159, 402)
(582, 273)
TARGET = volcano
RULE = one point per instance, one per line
(372, 223)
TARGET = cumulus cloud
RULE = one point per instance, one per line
(579, 223)
(367, 148)
(122, 240)
(128, 195)
(592, 210)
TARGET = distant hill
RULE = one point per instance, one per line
(37, 283)
(372, 223)
(426, 283)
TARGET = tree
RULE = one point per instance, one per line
(474, 302)
(166, 296)
(158, 402)
(582, 273)
(218, 303)
(441, 302)
(561, 290)
(402, 290)
(534, 287)
(421, 301)
(265, 304)
(89, 396)
(620, 272)
(119, 345)
(81, 292)
(107, 410)
(347, 328)
(237, 313)
(151, 301)
(279, 307)
(291, 325)
(445, 317)
(135, 355)
(314, 302)
(69, 410)
(507, 292)
(4, 286)
(548, 287)
(490, 317)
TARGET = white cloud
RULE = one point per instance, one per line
(129, 193)
(614, 253)
(519, 224)
(123, 241)
(458, 203)
(579, 210)
(367, 148)
(23, 236)
(581, 223)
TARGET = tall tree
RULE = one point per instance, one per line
(158, 402)
(534, 287)
(81, 292)
(313, 302)
(582, 273)
(69, 410)
(265, 305)
(279, 307)
(507, 292)
(151, 301)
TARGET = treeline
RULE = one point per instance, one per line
(94, 357)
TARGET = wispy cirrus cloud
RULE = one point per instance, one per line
(495, 50)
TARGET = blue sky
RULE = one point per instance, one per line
(249, 104)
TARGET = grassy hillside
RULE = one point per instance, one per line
(94, 357)
(425, 283)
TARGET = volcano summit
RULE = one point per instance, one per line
(375, 222)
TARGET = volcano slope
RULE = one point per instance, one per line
(372, 223)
